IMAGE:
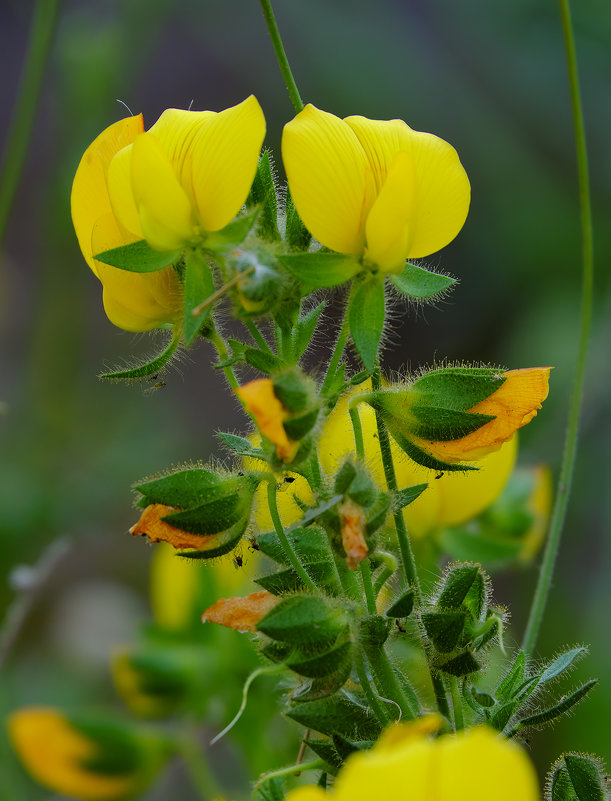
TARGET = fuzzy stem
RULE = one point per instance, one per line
(257, 336)
(41, 35)
(283, 62)
(405, 546)
(288, 548)
(440, 695)
(378, 707)
(358, 431)
(587, 255)
(342, 338)
(315, 764)
(459, 721)
(368, 586)
(221, 349)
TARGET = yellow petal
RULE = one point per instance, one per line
(540, 506)
(513, 405)
(330, 179)
(175, 131)
(134, 301)
(442, 191)
(269, 413)
(478, 765)
(121, 192)
(307, 793)
(54, 753)
(388, 223)
(222, 162)
(89, 199)
(165, 211)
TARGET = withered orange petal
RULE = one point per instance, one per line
(157, 530)
(241, 613)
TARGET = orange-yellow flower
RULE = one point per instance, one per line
(375, 189)
(269, 414)
(188, 175)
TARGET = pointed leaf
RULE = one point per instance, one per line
(240, 445)
(343, 714)
(233, 234)
(560, 664)
(367, 312)
(263, 195)
(321, 269)
(403, 606)
(297, 235)
(304, 329)
(513, 679)
(416, 282)
(138, 257)
(561, 708)
(408, 495)
(146, 369)
(199, 285)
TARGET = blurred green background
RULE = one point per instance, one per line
(488, 77)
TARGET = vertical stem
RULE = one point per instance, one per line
(283, 62)
(358, 432)
(288, 548)
(378, 707)
(388, 683)
(440, 695)
(405, 546)
(459, 721)
(221, 349)
(41, 34)
(339, 347)
(368, 587)
(587, 255)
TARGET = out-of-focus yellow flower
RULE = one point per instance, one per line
(269, 414)
(374, 189)
(540, 506)
(513, 405)
(473, 765)
(71, 761)
(188, 175)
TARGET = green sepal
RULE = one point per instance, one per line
(293, 390)
(300, 426)
(304, 620)
(514, 678)
(482, 699)
(138, 257)
(416, 282)
(296, 234)
(457, 587)
(199, 285)
(362, 489)
(311, 545)
(343, 713)
(262, 360)
(321, 269)
(324, 686)
(460, 665)
(562, 663)
(233, 234)
(458, 388)
(373, 631)
(403, 606)
(326, 750)
(271, 789)
(210, 518)
(217, 544)
(561, 708)
(240, 445)
(183, 488)
(263, 195)
(444, 629)
(444, 425)
(286, 581)
(304, 330)
(376, 514)
(276, 652)
(148, 368)
(421, 457)
(367, 313)
(332, 661)
(404, 497)
(577, 777)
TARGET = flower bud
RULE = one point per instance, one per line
(577, 777)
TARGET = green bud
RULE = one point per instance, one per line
(294, 390)
(304, 620)
(577, 777)
(461, 665)
(322, 663)
(343, 713)
(374, 631)
(323, 686)
(444, 629)
(464, 586)
(403, 606)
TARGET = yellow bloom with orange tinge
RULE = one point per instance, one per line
(63, 758)
(473, 765)
(269, 414)
(187, 176)
(377, 190)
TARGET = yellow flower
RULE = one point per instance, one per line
(473, 765)
(375, 189)
(269, 414)
(540, 506)
(513, 405)
(188, 175)
(70, 761)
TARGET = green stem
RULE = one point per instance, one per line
(348, 580)
(342, 338)
(368, 587)
(315, 764)
(41, 34)
(407, 555)
(288, 548)
(587, 256)
(221, 349)
(440, 695)
(283, 62)
(388, 683)
(378, 707)
(387, 570)
(257, 336)
(194, 757)
(459, 721)
(358, 432)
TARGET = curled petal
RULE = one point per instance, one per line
(269, 413)
(152, 526)
(222, 162)
(241, 614)
(330, 178)
(89, 199)
(165, 211)
(353, 523)
(121, 194)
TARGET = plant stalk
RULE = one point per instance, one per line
(283, 62)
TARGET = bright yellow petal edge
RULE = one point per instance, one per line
(473, 765)
(53, 751)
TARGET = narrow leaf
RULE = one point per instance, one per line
(138, 257)
(199, 285)
(297, 235)
(233, 234)
(561, 708)
(563, 662)
(416, 282)
(367, 320)
(408, 495)
(263, 194)
(321, 269)
(305, 329)
(240, 445)
(148, 368)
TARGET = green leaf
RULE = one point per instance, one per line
(321, 269)
(457, 388)
(304, 619)
(513, 679)
(216, 515)
(323, 686)
(217, 544)
(460, 665)
(297, 235)
(367, 311)
(560, 664)
(317, 511)
(199, 285)
(444, 629)
(584, 775)
(240, 445)
(317, 665)
(270, 790)
(263, 194)
(262, 360)
(233, 234)
(561, 708)
(443, 425)
(456, 585)
(344, 713)
(416, 282)
(148, 368)
(305, 328)
(408, 495)
(138, 257)
(421, 457)
(183, 488)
